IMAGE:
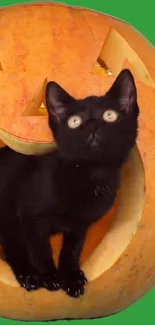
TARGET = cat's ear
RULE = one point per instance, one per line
(57, 101)
(124, 91)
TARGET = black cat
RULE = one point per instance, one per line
(68, 189)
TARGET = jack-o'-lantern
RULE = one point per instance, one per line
(83, 51)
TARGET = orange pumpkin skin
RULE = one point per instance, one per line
(63, 44)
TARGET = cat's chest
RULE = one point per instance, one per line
(85, 195)
(82, 185)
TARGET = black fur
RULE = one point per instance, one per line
(66, 190)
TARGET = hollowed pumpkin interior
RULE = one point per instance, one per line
(108, 238)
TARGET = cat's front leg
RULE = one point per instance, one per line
(73, 279)
(40, 254)
(17, 257)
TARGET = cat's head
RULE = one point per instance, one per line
(95, 128)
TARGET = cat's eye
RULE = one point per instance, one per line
(74, 121)
(110, 116)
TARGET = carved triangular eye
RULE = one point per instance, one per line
(43, 109)
(37, 106)
(101, 68)
(115, 51)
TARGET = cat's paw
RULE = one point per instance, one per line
(52, 281)
(29, 282)
(73, 283)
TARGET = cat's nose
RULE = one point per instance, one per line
(93, 125)
(93, 137)
(92, 140)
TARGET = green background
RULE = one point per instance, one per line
(141, 14)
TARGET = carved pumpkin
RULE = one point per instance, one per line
(83, 51)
